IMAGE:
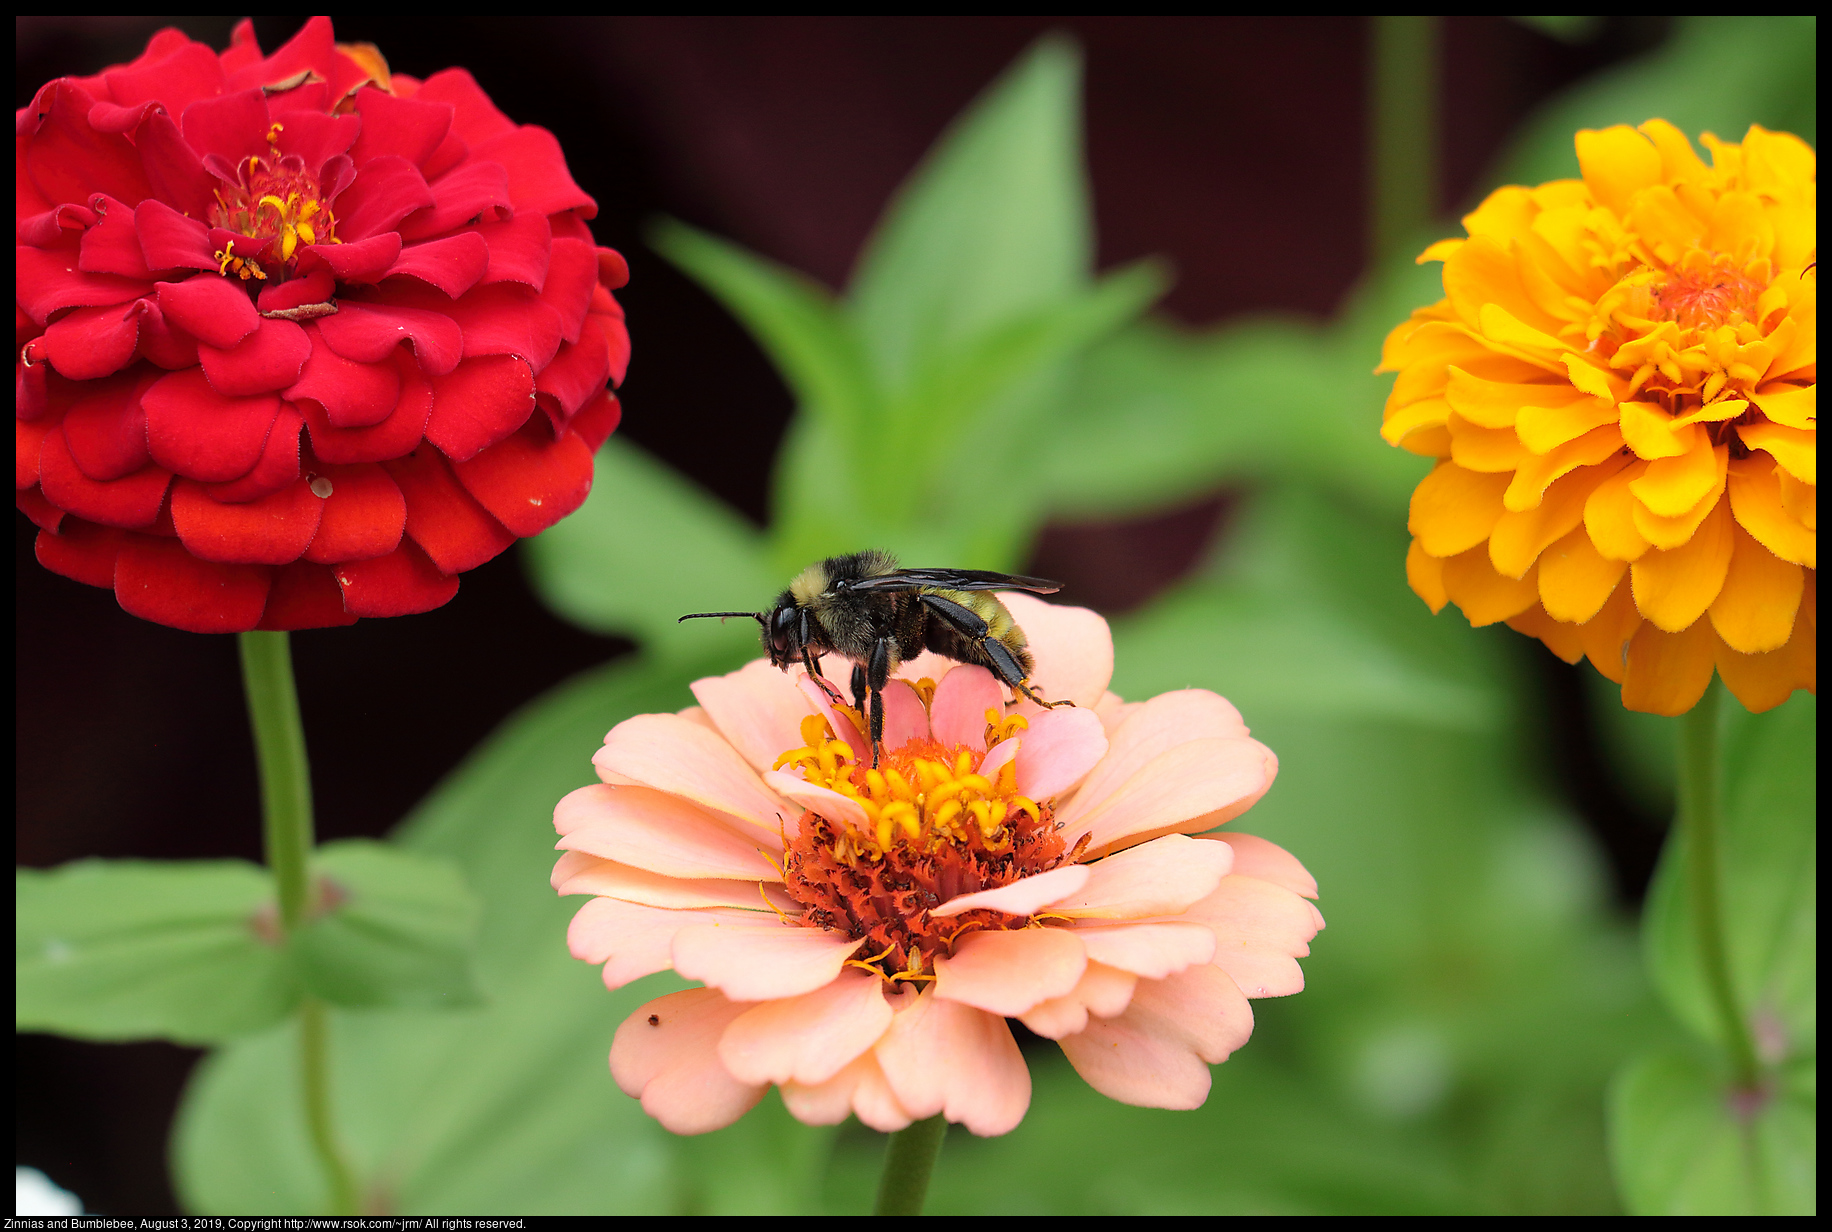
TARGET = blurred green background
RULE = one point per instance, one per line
(1479, 985)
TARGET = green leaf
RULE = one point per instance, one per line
(128, 949)
(396, 928)
(1682, 1144)
(647, 548)
(993, 225)
(1769, 886)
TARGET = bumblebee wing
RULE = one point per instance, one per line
(954, 579)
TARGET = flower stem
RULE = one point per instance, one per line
(1698, 820)
(908, 1161)
(1403, 107)
(286, 810)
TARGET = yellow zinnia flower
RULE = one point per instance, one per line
(1619, 386)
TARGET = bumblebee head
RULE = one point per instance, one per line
(784, 629)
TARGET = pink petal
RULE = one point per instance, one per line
(1261, 930)
(823, 800)
(1115, 710)
(1255, 857)
(823, 704)
(904, 717)
(1157, 1054)
(761, 962)
(757, 708)
(941, 1056)
(1153, 951)
(1007, 972)
(927, 665)
(631, 940)
(1026, 896)
(1060, 748)
(1004, 751)
(665, 1054)
(809, 1038)
(1103, 991)
(1161, 877)
(676, 755)
(958, 711)
(1071, 645)
(661, 833)
(860, 1089)
(580, 872)
(1153, 728)
(1194, 786)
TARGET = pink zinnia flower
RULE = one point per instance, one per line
(863, 934)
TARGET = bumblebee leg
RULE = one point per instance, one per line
(876, 678)
(1004, 664)
(858, 687)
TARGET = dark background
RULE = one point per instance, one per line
(1234, 147)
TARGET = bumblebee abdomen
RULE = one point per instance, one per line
(1000, 627)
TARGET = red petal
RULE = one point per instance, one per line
(227, 129)
(30, 400)
(613, 270)
(451, 152)
(157, 580)
(203, 434)
(28, 441)
(453, 264)
(316, 138)
(82, 552)
(169, 240)
(305, 596)
(571, 277)
(385, 190)
(68, 160)
(46, 229)
(468, 193)
(173, 169)
(43, 513)
(181, 75)
(279, 464)
(530, 481)
(269, 531)
(478, 403)
(316, 287)
(597, 420)
(111, 246)
(394, 436)
(538, 178)
(576, 375)
(364, 261)
(352, 395)
(243, 49)
(46, 279)
(399, 584)
(93, 342)
(618, 338)
(411, 128)
(270, 358)
(367, 332)
(105, 431)
(210, 308)
(364, 517)
(313, 47)
(520, 248)
(161, 343)
(130, 501)
(474, 117)
(456, 531)
(505, 318)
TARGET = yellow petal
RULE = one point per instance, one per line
(1407, 426)
(1454, 509)
(1763, 681)
(1665, 225)
(1649, 431)
(1617, 163)
(1576, 580)
(1796, 233)
(1754, 613)
(1679, 162)
(1801, 500)
(1609, 516)
(1505, 329)
(1740, 227)
(1755, 499)
(1779, 164)
(1519, 538)
(1483, 449)
(1801, 349)
(1425, 572)
(1538, 471)
(1484, 595)
(1595, 381)
(1606, 636)
(1797, 451)
(1668, 672)
(1561, 639)
(1713, 412)
(1544, 428)
(1669, 533)
(1790, 405)
(1496, 404)
(1672, 486)
(1439, 251)
(1673, 588)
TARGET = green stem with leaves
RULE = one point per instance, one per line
(909, 1160)
(1699, 821)
(286, 809)
(1403, 109)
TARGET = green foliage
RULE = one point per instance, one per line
(128, 949)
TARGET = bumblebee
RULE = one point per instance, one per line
(865, 608)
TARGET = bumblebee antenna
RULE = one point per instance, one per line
(756, 616)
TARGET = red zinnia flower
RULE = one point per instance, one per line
(299, 340)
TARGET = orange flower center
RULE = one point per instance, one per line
(935, 828)
(278, 205)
